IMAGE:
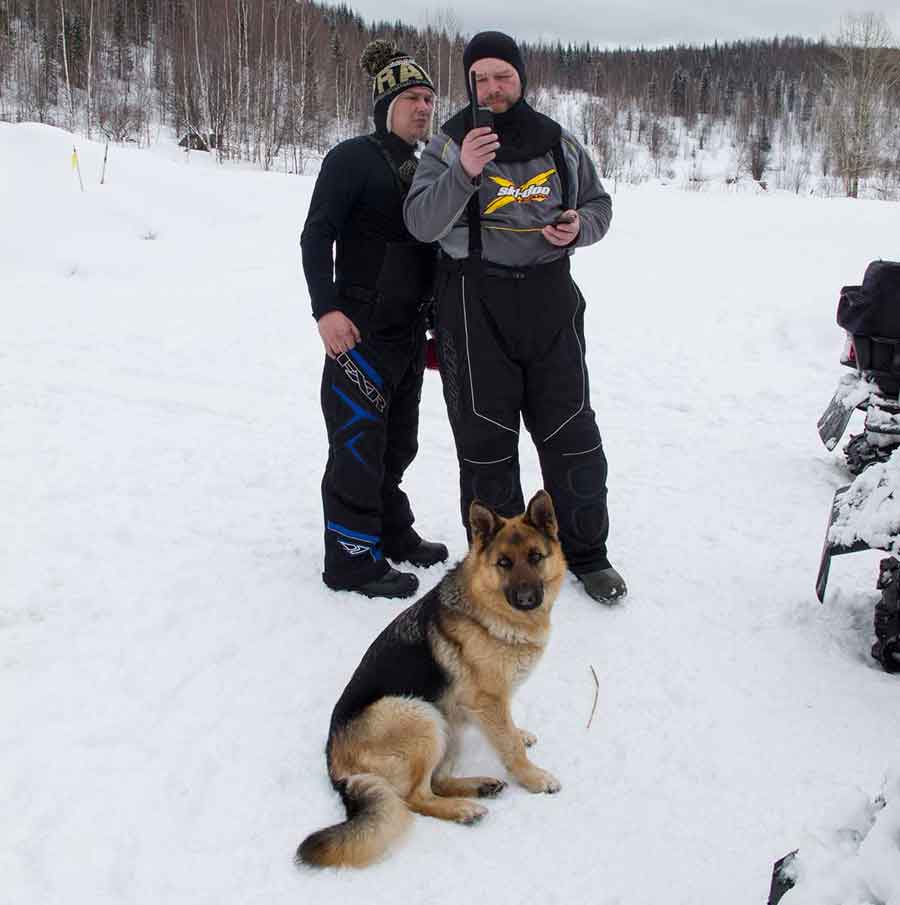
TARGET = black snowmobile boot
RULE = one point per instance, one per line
(886, 649)
(391, 584)
(605, 585)
(414, 550)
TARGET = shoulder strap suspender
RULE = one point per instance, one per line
(473, 216)
(390, 162)
(562, 170)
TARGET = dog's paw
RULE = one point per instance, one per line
(528, 738)
(470, 813)
(541, 781)
(491, 788)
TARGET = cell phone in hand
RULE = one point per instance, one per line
(484, 116)
(564, 217)
(481, 116)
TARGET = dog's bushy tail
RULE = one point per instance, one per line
(376, 818)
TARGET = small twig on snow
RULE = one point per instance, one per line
(596, 695)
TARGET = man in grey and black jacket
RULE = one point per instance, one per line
(509, 203)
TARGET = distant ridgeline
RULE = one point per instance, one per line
(272, 80)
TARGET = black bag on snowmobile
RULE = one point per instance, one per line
(871, 314)
(873, 309)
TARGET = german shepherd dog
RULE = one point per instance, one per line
(456, 655)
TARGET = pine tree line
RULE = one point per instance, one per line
(267, 80)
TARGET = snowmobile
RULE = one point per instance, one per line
(865, 514)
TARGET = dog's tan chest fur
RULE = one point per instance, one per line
(479, 662)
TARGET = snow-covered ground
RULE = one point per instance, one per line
(169, 657)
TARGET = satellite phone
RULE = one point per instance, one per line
(481, 116)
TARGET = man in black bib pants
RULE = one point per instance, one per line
(508, 204)
(369, 303)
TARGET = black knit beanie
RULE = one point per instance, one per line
(497, 45)
(392, 73)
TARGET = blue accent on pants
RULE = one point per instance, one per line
(354, 535)
(367, 369)
(353, 451)
(358, 535)
(359, 413)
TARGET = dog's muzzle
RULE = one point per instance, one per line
(525, 597)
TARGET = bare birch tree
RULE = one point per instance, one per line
(867, 65)
(70, 100)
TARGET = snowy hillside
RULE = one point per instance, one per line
(169, 656)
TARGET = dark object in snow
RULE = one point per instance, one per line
(873, 309)
(834, 420)
(830, 548)
(781, 880)
(860, 453)
(886, 649)
(870, 315)
(194, 141)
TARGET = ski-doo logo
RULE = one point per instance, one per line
(536, 189)
(353, 549)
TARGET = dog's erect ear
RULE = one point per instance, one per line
(484, 522)
(540, 515)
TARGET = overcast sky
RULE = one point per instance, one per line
(636, 22)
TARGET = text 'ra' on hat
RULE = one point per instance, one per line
(392, 70)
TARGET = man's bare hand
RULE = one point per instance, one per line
(338, 332)
(478, 150)
(563, 233)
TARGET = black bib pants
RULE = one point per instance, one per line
(360, 259)
(370, 400)
(511, 342)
